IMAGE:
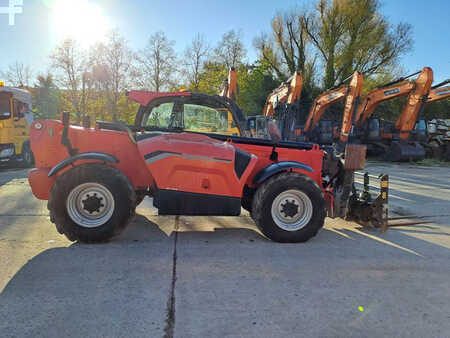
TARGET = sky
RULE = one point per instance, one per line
(44, 23)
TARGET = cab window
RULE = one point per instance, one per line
(205, 119)
(421, 125)
(19, 109)
(5, 109)
(160, 116)
(190, 117)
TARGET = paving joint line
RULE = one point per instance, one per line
(170, 312)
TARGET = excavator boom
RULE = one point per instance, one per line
(350, 92)
(320, 105)
(351, 103)
(416, 100)
(288, 92)
(379, 95)
(230, 88)
(438, 92)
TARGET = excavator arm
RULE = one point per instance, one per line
(416, 101)
(320, 105)
(350, 92)
(230, 88)
(379, 95)
(438, 92)
(351, 103)
(416, 89)
(288, 92)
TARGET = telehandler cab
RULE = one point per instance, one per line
(93, 178)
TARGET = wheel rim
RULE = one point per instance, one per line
(90, 205)
(292, 210)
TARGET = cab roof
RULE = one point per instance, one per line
(144, 97)
(20, 95)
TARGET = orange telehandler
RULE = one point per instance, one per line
(393, 139)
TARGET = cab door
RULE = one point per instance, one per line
(21, 129)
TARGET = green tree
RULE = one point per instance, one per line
(288, 49)
(255, 83)
(156, 63)
(230, 50)
(353, 35)
(194, 59)
(46, 97)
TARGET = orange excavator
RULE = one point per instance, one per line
(324, 134)
(281, 105)
(392, 139)
(288, 92)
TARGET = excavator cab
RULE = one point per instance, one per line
(420, 132)
(373, 129)
(324, 133)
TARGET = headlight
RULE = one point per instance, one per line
(7, 152)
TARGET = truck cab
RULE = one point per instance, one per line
(15, 120)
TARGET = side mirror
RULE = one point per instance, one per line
(274, 132)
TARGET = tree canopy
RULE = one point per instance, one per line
(326, 42)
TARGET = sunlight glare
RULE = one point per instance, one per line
(79, 20)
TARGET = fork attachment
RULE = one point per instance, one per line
(368, 212)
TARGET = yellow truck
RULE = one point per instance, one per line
(16, 117)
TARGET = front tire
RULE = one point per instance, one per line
(289, 208)
(92, 203)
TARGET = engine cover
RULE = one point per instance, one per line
(195, 174)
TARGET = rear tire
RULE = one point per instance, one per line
(92, 203)
(289, 208)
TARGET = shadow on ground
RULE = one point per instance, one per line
(230, 281)
(9, 174)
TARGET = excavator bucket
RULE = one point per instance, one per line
(401, 151)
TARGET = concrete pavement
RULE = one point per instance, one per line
(218, 276)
